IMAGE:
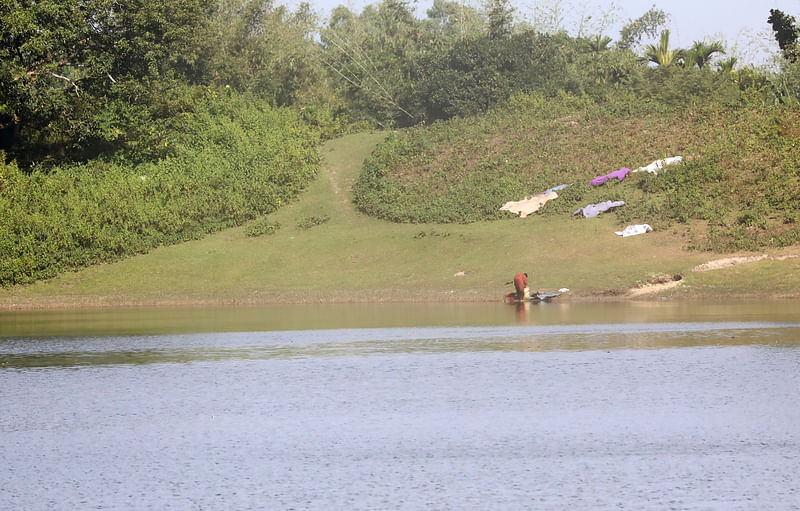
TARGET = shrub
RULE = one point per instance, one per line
(261, 227)
(312, 221)
(233, 160)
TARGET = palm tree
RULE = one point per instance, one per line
(700, 53)
(661, 54)
(596, 44)
(726, 66)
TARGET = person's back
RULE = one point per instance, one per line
(521, 285)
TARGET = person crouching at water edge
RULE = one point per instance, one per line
(521, 286)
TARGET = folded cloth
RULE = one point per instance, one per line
(657, 165)
(592, 210)
(633, 230)
(528, 205)
(619, 174)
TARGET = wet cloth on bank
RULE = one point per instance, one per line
(657, 165)
(633, 230)
(528, 205)
(619, 174)
(592, 210)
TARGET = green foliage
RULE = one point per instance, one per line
(266, 50)
(661, 54)
(477, 74)
(372, 57)
(786, 33)
(261, 227)
(500, 16)
(84, 78)
(233, 160)
(648, 24)
(307, 222)
(700, 54)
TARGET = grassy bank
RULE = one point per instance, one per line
(345, 256)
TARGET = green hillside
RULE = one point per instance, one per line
(738, 187)
(351, 257)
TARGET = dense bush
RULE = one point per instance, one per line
(233, 159)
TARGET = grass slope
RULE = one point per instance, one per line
(352, 257)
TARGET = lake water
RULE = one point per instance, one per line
(656, 405)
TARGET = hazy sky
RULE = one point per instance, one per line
(741, 24)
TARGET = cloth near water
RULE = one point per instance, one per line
(658, 165)
(633, 230)
(619, 174)
(592, 210)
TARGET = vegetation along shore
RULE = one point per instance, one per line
(223, 165)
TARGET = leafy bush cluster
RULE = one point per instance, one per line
(312, 221)
(742, 182)
(231, 160)
(261, 227)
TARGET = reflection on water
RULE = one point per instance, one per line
(145, 321)
(452, 407)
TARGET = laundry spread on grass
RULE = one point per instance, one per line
(528, 205)
(618, 174)
(633, 230)
(592, 210)
(658, 165)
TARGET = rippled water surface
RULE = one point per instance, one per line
(469, 406)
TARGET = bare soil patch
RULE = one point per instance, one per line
(727, 262)
(658, 283)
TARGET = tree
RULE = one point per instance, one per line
(500, 15)
(700, 53)
(727, 66)
(596, 44)
(263, 49)
(448, 20)
(373, 57)
(786, 33)
(648, 24)
(85, 76)
(661, 54)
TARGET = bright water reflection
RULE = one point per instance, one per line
(471, 406)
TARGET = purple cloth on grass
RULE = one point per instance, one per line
(619, 174)
(592, 210)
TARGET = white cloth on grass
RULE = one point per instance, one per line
(633, 230)
(657, 165)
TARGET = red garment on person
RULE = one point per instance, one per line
(520, 283)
